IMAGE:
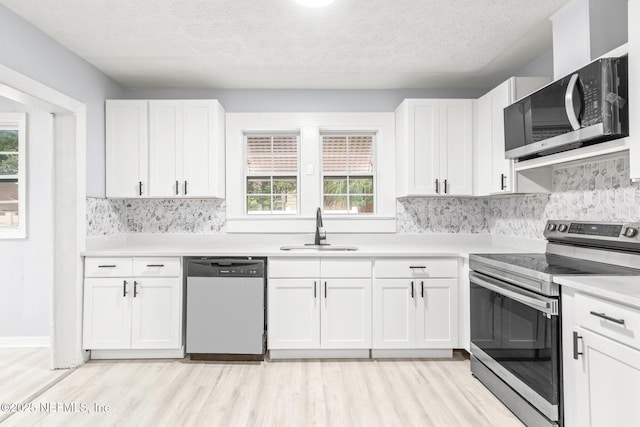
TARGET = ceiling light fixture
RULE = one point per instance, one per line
(314, 3)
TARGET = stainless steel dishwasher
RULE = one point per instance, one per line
(226, 308)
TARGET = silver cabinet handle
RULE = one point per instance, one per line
(315, 284)
(107, 266)
(503, 185)
(155, 265)
(422, 289)
(140, 188)
(540, 303)
(325, 290)
(185, 187)
(417, 267)
(576, 353)
(124, 288)
(605, 317)
(437, 187)
(568, 102)
(135, 289)
(445, 186)
(177, 187)
(411, 289)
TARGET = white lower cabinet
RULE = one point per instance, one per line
(293, 314)
(415, 314)
(132, 312)
(417, 310)
(319, 312)
(601, 359)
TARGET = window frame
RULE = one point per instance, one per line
(271, 176)
(373, 174)
(17, 121)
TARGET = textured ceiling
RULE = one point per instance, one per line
(280, 44)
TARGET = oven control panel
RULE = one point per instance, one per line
(578, 230)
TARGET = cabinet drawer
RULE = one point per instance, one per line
(345, 268)
(294, 267)
(156, 267)
(416, 267)
(590, 312)
(108, 267)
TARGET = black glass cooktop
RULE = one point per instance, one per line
(553, 265)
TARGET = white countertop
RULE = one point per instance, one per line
(269, 245)
(622, 289)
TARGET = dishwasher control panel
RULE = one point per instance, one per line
(223, 267)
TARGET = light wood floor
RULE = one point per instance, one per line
(24, 373)
(283, 393)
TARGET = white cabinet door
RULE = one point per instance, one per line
(346, 314)
(607, 382)
(107, 313)
(294, 313)
(394, 322)
(456, 147)
(502, 173)
(156, 313)
(436, 313)
(417, 147)
(165, 148)
(202, 149)
(424, 152)
(127, 146)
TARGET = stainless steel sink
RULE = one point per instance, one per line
(318, 248)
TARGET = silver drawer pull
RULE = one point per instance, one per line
(155, 265)
(107, 266)
(421, 267)
(605, 317)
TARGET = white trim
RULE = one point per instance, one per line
(309, 126)
(318, 354)
(412, 353)
(9, 342)
(69, 231)
(138, 354)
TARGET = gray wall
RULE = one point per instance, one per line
(609, 23)
(31, 52)
(542, 66)
(26, 263)
(303, 100)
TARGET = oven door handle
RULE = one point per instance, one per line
(545, 305)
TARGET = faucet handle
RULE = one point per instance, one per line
(323, 233)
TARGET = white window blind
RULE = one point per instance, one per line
(348, 174)
(271, 174)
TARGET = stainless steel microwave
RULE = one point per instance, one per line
(583, 108)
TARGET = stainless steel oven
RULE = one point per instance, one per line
(516, 334)
(516, 341)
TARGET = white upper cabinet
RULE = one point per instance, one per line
(183, 144)
(493, 172)
(127, 137)
(434, 147)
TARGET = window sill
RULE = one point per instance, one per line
(332, 224)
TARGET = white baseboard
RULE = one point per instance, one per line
(7, 342)
(318, 354)
(412, 353)
(138, 354)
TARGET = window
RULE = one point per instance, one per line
(12, 175)
(271, 174)
(347, 174)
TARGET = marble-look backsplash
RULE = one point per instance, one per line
(591, 190)
(108, 217)
(594, 189)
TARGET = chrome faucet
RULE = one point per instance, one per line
(320, 233)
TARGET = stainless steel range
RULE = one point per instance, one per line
(515, 311)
